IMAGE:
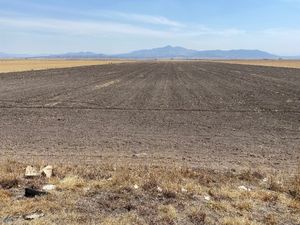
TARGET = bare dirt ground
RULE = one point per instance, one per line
(201, 114)
(16, 65)
(273, 63)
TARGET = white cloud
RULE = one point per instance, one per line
(282, 32)
(133, 17)
(142, 18)
(78, 27)
(95, 27)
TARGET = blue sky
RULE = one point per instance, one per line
(116, 26)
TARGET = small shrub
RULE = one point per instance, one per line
(167, 214)
(196, 216)
(270, 220)
(8, 183)
(237, 221)
(71, 183)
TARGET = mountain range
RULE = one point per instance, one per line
(166, 52)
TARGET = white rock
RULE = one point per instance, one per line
(159, 189)
(47, 171)
(265, 180)
(49, 187)
(86, 189)
(183, 190)
(243, 188)
(140, 155)
(207, 198)
(33, 216)
(31, 171)
(136, 186)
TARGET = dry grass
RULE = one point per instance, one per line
(126, 219)
(110, 194)
(240, 220)
(274, 63)
(167, 214)
(41, 64)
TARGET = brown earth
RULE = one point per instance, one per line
(202, 114)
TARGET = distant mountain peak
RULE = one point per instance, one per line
(167, 51)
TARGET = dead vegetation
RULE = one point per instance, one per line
(18, 65)
(273, 63)
(108, 194)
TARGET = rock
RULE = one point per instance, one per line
(31, 172)
(207, 198)
(183, 190)
(47, 171)
(86, 189)
(243, 188)
(136, 186)
(159, 189)
(31, 193)
(33, 216)
(49, 187)
(140, 155)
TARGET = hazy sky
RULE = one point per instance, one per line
(116, 26)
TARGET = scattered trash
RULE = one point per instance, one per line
(243, 188)
(47, 171)
(33, 216)
(49, 187)
(31, 193)
(109, 179)
(207, 198)
(183, 190)
(265, 180)
(31, 172)
(159, 189)
(136, 186)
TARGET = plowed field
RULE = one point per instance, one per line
(200, 113)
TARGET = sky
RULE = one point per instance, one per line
(119, 26)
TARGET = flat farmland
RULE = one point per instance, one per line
(272, 63)
(202, 114)
(16, 65)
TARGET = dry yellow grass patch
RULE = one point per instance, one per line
(108, 194)
(237, 221)
(167, 213)
(41, 64)
(127, 219)
(4, 195)
(274, 63)
(71, 183)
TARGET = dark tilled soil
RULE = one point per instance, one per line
(199, 113)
